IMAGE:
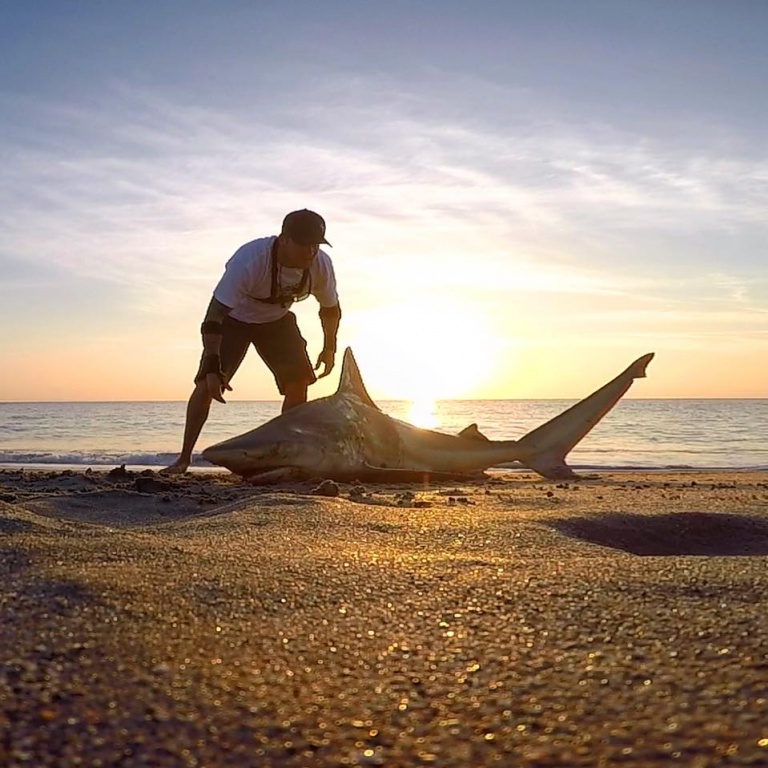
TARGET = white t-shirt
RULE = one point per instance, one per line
(248, 276)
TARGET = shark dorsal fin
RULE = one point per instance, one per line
(473, 433)
(351, 382)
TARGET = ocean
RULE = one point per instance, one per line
(636, 434)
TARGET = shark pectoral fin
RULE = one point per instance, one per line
(279, 475)
(473, 433)
(545, 448)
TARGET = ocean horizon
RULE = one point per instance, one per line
(679, 433)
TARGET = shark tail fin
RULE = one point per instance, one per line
(545, 448)
(351, 382)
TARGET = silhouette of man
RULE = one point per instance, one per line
(251, 305)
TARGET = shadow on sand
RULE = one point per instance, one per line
(683, 533)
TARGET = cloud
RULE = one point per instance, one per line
(153, 193)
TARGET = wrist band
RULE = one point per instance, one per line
(211, 364)
(330, 313)
(211, 326)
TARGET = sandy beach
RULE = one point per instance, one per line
(620, 619)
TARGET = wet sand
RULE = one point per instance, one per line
(620, 619)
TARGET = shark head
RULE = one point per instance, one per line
(290, 443)
(305, 441)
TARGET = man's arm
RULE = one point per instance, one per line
(211, 332)
(330, 317)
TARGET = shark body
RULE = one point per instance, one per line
(346, 437)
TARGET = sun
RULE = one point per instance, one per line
(422, 414)
(421, 353)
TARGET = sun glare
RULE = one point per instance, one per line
(422, 354)
(422, 414)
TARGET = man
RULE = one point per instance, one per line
(250, 305)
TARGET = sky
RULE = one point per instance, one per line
(523, 197)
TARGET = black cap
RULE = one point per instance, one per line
(305, 227)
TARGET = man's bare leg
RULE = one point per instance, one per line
(198, 407)
(295, 394)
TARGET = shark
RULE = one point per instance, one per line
(346, 437)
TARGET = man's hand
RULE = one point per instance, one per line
(217, 384)
(326, 358)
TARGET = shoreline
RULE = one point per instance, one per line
(100, 468)
(583, 468)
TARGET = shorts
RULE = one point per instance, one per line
(279, 344)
